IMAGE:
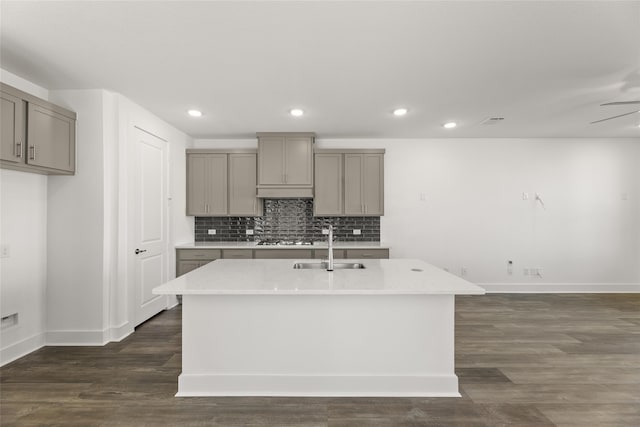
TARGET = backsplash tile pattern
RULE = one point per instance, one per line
(286, 219)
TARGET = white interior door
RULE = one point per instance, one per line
(150, 223)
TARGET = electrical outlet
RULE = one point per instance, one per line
(325, 231)
(249, 232)
(525, 196)
(510, 268)
(5, 251)
(357, 232)
(423, 197)
(211, 231)
(525, 271)
(463, 271)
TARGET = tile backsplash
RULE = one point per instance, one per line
(286, 219)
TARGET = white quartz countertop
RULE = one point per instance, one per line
(278, 277)
(253, 245)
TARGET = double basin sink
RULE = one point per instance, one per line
(324, 265)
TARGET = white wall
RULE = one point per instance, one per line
(23, 215)
(75, 229)
(473, 215)
(66, 276)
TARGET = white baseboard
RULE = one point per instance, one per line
(118, 333)
(559, 288)
(190, 385)
(21, 348)
(91, 338)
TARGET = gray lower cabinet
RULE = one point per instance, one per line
(324, 254)
(189, 259)
(222, 183)
(367, 253)
(283, 253)
(237, 254)
(36, 136)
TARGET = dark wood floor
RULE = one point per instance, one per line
(523, 360)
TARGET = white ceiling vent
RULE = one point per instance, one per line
(492, 120)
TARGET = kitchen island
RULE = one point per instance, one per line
(263, 328)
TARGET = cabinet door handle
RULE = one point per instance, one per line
(19, 149)
(33, 152)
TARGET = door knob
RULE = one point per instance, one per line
(138, 251)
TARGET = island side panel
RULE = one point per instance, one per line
(318, 345)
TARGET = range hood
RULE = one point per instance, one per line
(285, 193)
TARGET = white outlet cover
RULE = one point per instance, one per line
(357, 232)
(211, 231)
(5, 251)
(249, 232)
(325, 231)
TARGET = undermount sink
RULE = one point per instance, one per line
(323, 265)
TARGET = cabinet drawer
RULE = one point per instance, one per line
(283, 253)
(368, 253)
(324, 253)
(198, 254)
(237, 254)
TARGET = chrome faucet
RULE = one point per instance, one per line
(330, 251)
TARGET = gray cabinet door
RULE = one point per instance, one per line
(353, 174)
(242, 185)
(373, 184)
(12, 128)
(364, 184)
(271, 169)
(298, 161)
(207, 184)
(186, 266)
(51, 142)
(328, 197)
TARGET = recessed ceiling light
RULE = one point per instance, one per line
(450, 125)
(296, 112)
(195, 113)
(400, 111)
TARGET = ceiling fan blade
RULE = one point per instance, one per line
(621, 103)
(615, 117)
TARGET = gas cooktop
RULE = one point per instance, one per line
(284, 243)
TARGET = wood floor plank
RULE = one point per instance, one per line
(522, 360)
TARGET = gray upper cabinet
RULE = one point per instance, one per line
(328, 199)
(242, 185)
(349, 183)
(37, 136)
(51, 142)
(222, 183)
(13, 128)
(285, 164)
(364, 184)
(206, 184)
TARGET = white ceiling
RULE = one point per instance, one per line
(543, 66)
